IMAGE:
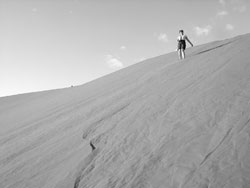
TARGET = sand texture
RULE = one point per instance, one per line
(162, 123)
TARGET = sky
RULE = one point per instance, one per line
(50, 44)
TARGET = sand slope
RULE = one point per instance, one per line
(162, 123)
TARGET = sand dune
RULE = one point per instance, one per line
(162, 123)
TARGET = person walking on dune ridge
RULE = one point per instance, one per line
(182, 44)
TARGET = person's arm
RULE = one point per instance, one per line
(189, 41)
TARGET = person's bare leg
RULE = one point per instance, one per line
(179, 53)
(183, 54)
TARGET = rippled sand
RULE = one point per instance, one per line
(162, 123)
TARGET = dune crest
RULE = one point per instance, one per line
(160, 123)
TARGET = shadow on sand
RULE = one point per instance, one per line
(209, 49)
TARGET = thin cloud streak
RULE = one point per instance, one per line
(123, 47)
(222, 13)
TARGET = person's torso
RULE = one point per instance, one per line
(182, 38)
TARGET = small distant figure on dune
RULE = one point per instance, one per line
(182, 44)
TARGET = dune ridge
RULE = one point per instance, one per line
(160, 123)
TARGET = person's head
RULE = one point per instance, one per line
(181, 31)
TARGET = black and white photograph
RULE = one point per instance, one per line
(124, 94)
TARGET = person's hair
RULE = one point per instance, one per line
(181, 31)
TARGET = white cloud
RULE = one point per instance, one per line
(163, 37)
(142, 59)
(34, 10)
(139, 59)
(222, 13)
(113, 62)
(202, 31)
(235, 5)
(240, 8)
(229, 27)
(238, 5)
(123, 47)
(222, 2)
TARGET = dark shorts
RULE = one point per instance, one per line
(181, 45)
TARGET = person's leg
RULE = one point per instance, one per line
(183, 53)
(184, 48)
(179, 53)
